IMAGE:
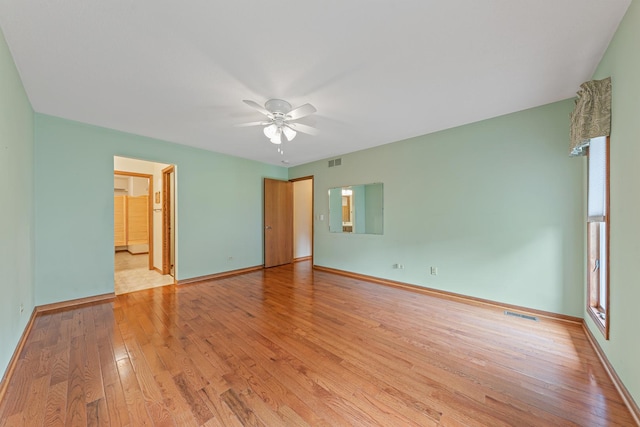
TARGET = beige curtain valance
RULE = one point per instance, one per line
(591, 116)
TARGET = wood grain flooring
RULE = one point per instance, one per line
(293, 346)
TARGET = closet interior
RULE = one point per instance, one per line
(131, 214)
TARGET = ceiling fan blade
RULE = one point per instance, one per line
(257, 106)
(301, 111)
(242, 125)
(303, 128)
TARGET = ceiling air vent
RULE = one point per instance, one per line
(335, 162)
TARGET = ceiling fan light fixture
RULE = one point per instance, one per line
(277, 137)
(289, 133)
(270, 131)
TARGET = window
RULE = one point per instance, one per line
(598, 233)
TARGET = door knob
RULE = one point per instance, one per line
(267, 227)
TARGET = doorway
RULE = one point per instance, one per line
(302, 219)
(288, 221)
(138, 225)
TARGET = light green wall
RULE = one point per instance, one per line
(497, 206)
(16, 210)
(219, 207)
(622, 63)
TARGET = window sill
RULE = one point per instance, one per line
(602, 324)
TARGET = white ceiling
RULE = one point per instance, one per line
(377, 71)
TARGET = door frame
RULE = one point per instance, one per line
(277, 216)
(149, 208)
(313, 216)
(167, 230)
(265, 225)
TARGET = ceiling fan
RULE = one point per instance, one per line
(281, 119)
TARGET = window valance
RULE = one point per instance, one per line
(591, 116)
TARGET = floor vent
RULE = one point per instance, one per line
(520, 315)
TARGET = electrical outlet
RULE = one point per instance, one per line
(230, 258)
(434, 271)
(398, 266)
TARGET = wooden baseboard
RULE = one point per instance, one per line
(303, 258)
(452, 296)
(66, 305)
(617, 382)
(13, 362)
(219, 275)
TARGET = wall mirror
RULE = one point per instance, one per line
(356, 209)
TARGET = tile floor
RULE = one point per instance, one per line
(132, 274)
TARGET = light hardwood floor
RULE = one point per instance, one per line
(292, 346)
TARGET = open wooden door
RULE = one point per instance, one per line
(168, 220)
(278, 222)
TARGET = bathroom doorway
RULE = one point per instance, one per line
(139, 210)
